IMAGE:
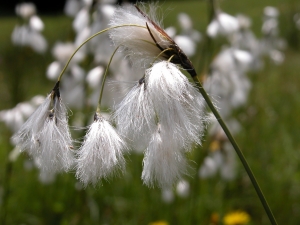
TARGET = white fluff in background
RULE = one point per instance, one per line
(25, 10)
(223, 24)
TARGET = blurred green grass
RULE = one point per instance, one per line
(269, 140)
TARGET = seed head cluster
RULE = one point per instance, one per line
(162, 115)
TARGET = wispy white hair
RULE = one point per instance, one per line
(137, 42)
(135, 116)
(55, 142)
(164, 161)
(178, 104)
(27, 138)
(101, 153)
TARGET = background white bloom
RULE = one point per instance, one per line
(223, 24)
(28, 34)
(183, 188)
(25, 10)
(15, 117)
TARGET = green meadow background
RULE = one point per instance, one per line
(269, 139)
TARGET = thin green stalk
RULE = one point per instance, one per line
(169, 60)
(162, 52)
(87, 40)
(238, 151)
(104, 79)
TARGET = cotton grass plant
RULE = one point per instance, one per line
(163, 110)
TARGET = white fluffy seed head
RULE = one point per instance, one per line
(46, 136)
(164, 161)
(101, 154)
(27, 138)
(166, 96)
(135, 116)
(55, 142)
(178, 104)
(137, 42)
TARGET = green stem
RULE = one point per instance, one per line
(169, 60)
(87, 40)
(104, 79)
(162, 52)
(238, 151)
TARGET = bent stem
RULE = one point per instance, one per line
(104, 79)
(87, 40)
(238, 151)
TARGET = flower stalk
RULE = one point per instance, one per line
(102, 143)
(238, 151)
(104, 79)
(87, 40)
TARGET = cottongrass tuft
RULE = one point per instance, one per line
(101, 153)
(27, 138)
(178, 104)
(164, 161)
(137, 41)
(165, 112)
(45, 135)
(56, 144)
(143, 44)
(135, 116)
(166, 96)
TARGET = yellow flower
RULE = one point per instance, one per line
(236, 218)
(161, 222)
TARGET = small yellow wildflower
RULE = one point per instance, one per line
(236, 218)
(161, 222)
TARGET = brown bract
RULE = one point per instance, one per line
(179, 57)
